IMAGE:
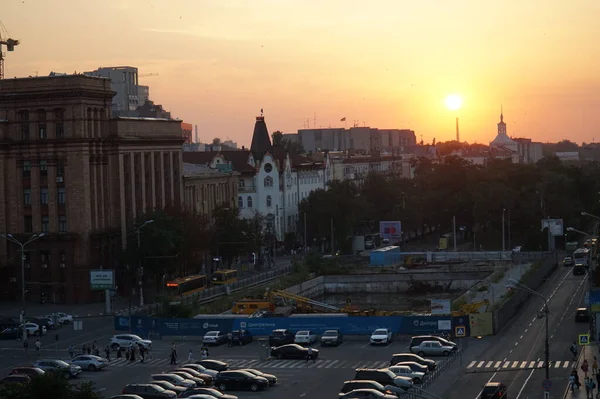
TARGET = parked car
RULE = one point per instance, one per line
(305, 337)
(11, 332)
(148, 391)
(416, 341)
(331, 338)
(174, 379)
(241, 337)
(89, 362)
(30, 371)
(126, 396)
(367, 394)
(212, 364)
(169, 387)
(188, 376)
(579, 270)
(411, 357)
(568, 261)
(381, 336)
(64, 317)
(432, 348)
(211, 392)
(493, 390)
(414, 366)
(582, 315)
(237, 380)
(270, 377)
(206, 379)
(384, 377)
(405, 371)
(292, 351)
(48, 321)
(33, 328)
(362, 384)
(44, 323)
(127, 340)
(201, 369)
(215, 338)
(15, 379)
(58, 366)
(281, 337)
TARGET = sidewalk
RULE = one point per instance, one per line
(588, 352)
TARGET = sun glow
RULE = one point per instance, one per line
(453, 102)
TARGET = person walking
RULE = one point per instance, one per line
(574, 350)
(309, 355)
(107, 352)
(589, 393)
(585, 367)
(132, 354)
(190, 357)
(142, 354)
(575, 376)
(38, 346)
(204, 354)
(71, 351)
(119, 353)
(229, 339)
(173, 355)
(595, 366)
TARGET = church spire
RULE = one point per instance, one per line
(501, 124)
(501, 114)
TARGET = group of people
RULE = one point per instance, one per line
(173, 356)
(589, 384)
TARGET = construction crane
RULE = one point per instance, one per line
(10, 46)
(147, 75)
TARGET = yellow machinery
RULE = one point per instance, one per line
(475, 307)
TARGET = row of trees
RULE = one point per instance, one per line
(476, 195)
(49, 386)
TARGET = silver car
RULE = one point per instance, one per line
(89, 362)
(432, 348)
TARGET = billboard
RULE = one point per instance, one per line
(102, 279)
(556, 226)
(390, 230)
(440, 306)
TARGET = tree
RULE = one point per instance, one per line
(277, 138)
(49, 386)
(291, 146)
(216, 141)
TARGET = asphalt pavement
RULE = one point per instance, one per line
(516, 356)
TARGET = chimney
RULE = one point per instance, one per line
(196, 139)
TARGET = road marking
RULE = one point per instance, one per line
(516, 343)
(525, 384)
(506, 364)
(557, 364)
(497, 364)
(524, 364)
(480, 363)
(521, 337)
(526, 329)
(472, 364)
(515, 364)
(489, 364)
(331, 364)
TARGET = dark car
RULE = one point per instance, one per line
(384, 377)
(411, 357)
(15, 379)
(568, 261)
(207, 379)
(211, 364)
(126, 396)
(578, 270)
(174, 379)
(281, 337)
(238, 380)
(11, 333)
(293, 351)
(331, 338)
(582, 315)
(168, 386)
(414, 366)
(363, 384)
(186, 375)
(148, 391)
(367, 394)
(206, 391)
(494, 390)
(416, 341)
(30, 371)
(270, 377)
(241, 337)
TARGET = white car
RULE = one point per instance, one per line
(305, 337)
(405, 371)
(33, 329)
(214, 338)
(64, 318)
(128, 340)
(381, 336)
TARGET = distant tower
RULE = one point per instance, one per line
(196, 134)
(457, 132)
(501, 124)
(261, 141)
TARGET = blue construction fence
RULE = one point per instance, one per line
(406, 325)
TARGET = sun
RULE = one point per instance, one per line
(453, 102)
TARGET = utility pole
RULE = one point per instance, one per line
(503, 237)
(454, 231)
(332, 240)
(140, 267)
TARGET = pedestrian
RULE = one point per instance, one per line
(38, 346)
(173, 356)
(127, 354)
(229, 339)
(595, 366)
(585, 367)
(205, 348)
(172, 346)
(575, 375)
(107, 352)
(572, 382)
(132, 354)
(204, 354)
(119, 352)
(309, 355)
(598, 379)
(190, 357)
(83, 349)
(71, 351)
(588, 388)
(574, 350)
(25, 345)
(142, 353)
(89, 349)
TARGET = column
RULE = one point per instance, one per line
(172, 172)
(52, 198)
(153, 180)
(143, 182)
(162, 180)
(132, 174)
(104, 204)
(94, 193)
(122, 196)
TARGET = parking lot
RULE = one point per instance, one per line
(296, 378)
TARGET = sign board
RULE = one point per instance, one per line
(441, 306)
(77, 325)
(547, 395)
(555, 226)
(460, 331)
(547, 384)
(584, 339)
(392, 230)
(102, 279)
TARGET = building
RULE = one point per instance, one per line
(231, 144)
(124, 82)
(518, 150)
(151, 110)
(143, 94)
(186, 132)
(70, 171)
(363, 139)
(206, 188)
(357, 167)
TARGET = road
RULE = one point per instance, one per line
(521, 345)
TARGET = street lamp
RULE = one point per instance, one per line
(590, 215)
(11, 238)
(517, 285)
(571, 229)
(141, 268)
(503, 237)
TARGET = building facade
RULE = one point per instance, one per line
(518, 150)
(124, 82)
(71, 172)
(362, 139)
(206, 188)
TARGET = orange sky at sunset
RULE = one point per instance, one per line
(388, 63)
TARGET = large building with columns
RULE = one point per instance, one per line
(71, 172)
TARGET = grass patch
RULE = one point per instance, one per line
(498, 276)
(532, 269)
(482, 288)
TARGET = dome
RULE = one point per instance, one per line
(503, 139)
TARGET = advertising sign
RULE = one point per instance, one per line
(440, 306)
(481, 324)
(102, 279)
(555, 225)
(390, 230)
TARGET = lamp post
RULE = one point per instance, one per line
(517, 285)
(140, 267)
(503, 236)
(571, 229)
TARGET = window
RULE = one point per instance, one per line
(249, 202)
(61, 195)
(28, 224)
(26, 169)
(44, 196)
(240, 202)
(268, 181)
(241, 183)
(42, 124)
(27, 196)
(62, 224)
(59, 123)
(24, 118)
(269, 200)
(43, 168)
(60, 170)
(45, 224)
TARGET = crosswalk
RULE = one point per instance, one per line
(269, 364)
(518, 364)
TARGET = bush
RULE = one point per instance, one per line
(498, 276)
(49, 386)
(482, 288)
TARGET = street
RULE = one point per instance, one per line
(521, 345)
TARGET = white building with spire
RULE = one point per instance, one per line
(518, 150)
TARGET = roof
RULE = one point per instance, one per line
(199, 170)
(503, 139)
(261, 142)
(238, 159)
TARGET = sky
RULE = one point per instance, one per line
(382, 63)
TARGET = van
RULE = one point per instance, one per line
(579, 270)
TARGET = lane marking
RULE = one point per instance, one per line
(525, 384)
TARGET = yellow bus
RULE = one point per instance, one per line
(222, 277)
(187, 285)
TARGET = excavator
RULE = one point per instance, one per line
(475, 307)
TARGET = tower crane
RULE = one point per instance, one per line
(10, 46)
(147, 75)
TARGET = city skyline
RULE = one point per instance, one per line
(220, 62)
